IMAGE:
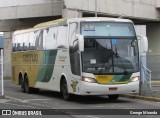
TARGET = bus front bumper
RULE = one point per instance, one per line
(100, 89)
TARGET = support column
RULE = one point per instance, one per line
(153, 34)
(153, 58)
(69, 13)
(7, 53)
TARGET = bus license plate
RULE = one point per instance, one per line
(113, 89)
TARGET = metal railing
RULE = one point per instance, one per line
(146, 78)
(153, 63)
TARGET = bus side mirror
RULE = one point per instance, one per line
(143, 44)
(80, 42)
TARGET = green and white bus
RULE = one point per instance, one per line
(81, 56)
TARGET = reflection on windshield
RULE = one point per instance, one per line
(110, 56)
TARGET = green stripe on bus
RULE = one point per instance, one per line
(47, 66)
(121, 78)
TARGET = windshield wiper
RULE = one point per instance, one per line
(117, 57)
(116, 54)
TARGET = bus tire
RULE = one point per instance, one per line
(22, 85)
(64, 90)
(113, 97)
(26, 85)
(21, 82)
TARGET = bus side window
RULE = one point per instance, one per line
(74, 55)
(31, 45)
(45, 34)
(19, 47)
(51, 38)
(61, 36)
(14, 43)
(39, 40)
(24, 47)
(40, 43)
(26, 41)
(20, 42)
(32, 48)
(14, 47)
(72, 34)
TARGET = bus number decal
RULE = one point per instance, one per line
(30, 58)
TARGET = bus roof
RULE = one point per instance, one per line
(96, 19)
(50, 23)
(40, 26)
(64, 21)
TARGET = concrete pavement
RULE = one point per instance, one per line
(15, 99)
(153, 96)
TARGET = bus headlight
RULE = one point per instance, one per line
(88, 79)
(134, 79)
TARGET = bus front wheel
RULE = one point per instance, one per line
(64, 90)
(113, 97)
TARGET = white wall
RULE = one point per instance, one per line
(158, 3)
(15, 9)
(153, 34)
(10, 9)
(134, 8)
(9, 3)
(140, 30)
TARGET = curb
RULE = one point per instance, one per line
(152, 82)
(148, 98)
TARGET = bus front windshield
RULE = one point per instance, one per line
(109, 47)
(104, 55)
